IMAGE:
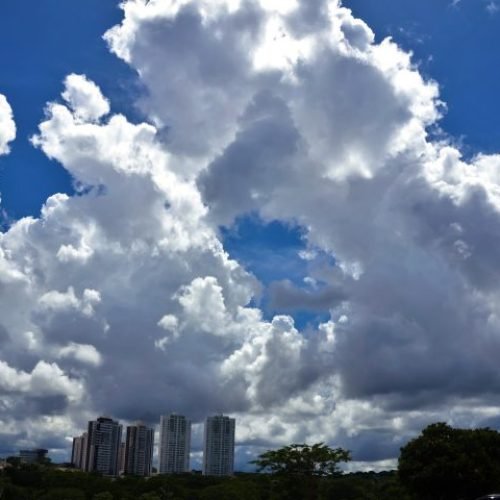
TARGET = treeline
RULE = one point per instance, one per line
(35, 482)
(442, 463)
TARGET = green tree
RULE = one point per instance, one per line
(444, 463)
(298, 468)
(232, 489)
(14, 461)
(149, 496)
(63, 494)
(303, 459)
(25, 475)
(103, 495)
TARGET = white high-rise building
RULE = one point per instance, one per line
(175, 444)
(218, 450)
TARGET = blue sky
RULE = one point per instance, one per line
(456, 45)
(37, 51)
(322, 170)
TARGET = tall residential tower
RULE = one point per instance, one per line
(218, 450)
(79, 451)
(175, 444)
(138, 450)
(103, 443)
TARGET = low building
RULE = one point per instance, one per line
(33, 456)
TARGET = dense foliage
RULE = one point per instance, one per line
(316, 460)
(299, 466)
(48, 483)
(444, 463)
(441, 464)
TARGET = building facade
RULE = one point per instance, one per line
(121, 459)
(33, 456)
(139, 444)
(175, 444)
(79, 451)
(218, 449)
(103, 445)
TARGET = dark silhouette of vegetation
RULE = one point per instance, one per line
(444, 463)
(38, 482)
(302, 459)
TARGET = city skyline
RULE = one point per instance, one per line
(101, 448)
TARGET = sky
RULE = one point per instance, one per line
(284, 211)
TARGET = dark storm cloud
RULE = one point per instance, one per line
(286, 297)
(42, 405)
(373, 445)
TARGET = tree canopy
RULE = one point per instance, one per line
(444, 463)
(54, 484)
(303, 459)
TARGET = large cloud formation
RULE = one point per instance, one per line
(122, 300)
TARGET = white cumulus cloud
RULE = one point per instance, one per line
(7, 125)
(85, 98)
(292, 111)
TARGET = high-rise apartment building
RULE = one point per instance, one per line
(121, 459)
(103, 444)
(139, 450)
(79, 451)
(175, 444)
(218, 450)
